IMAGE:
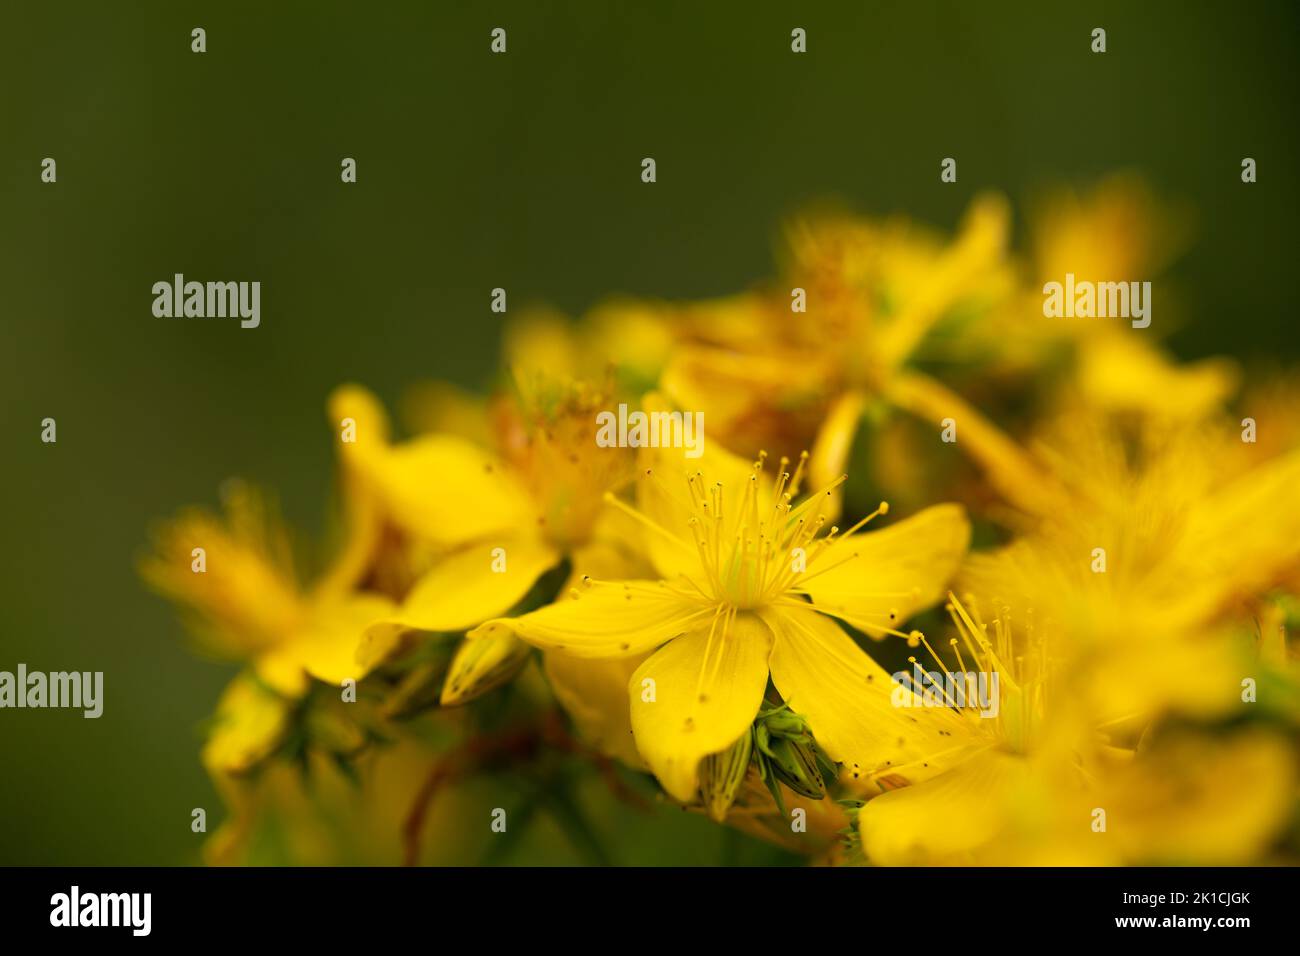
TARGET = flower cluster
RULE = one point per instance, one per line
(944, 579)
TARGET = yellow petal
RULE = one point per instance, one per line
(849, 700)
(1248, 534)
(635, 336)
(282, 669)
(1119, 228)
(246, 599)
(1204, 800)
(329, 651)
(249, 724)
(360, 428)
(448, 490)
(1123, 373)
(476, 583)
(604, 561)
(1149, 671)
(830, 453)
(594, 693)
(946, 820)
(752, 399)
(954, 274)
(441, 487)
(383, 641)
(326, 648)
(617, 619)
(356, 413)
(1012, 472)
(540, 343)
(707, 687)
(362, 537)
(448, 409)
(615, 551)
(878, 579)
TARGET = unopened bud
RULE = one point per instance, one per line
(482, 664)
(795, 765)
(786, 753)
(721, 776)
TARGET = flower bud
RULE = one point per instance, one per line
(722, 774)
(795, 764)
(482, 664)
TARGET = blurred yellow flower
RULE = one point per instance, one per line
(1145, 557)
(234, 577)
(1039, 780)
(499, 517)
(768, 374)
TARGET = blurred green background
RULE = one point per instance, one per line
(478, 171)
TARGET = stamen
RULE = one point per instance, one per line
(798, 473)
(857, 621)
(883, 509)
(925, 676)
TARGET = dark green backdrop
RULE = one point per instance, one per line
(478, 171)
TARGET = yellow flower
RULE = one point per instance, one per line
(234, 578)
(234, 574)
(1198, 799)
(769, 377)
(877, 289)
(1209, 799)
(1007, 748)
(1144, 555)
(1040, 779)
(628, 339)
(1120, 372)
(243, 599)
(751, 583)
(497, 519)
(1116, 231)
